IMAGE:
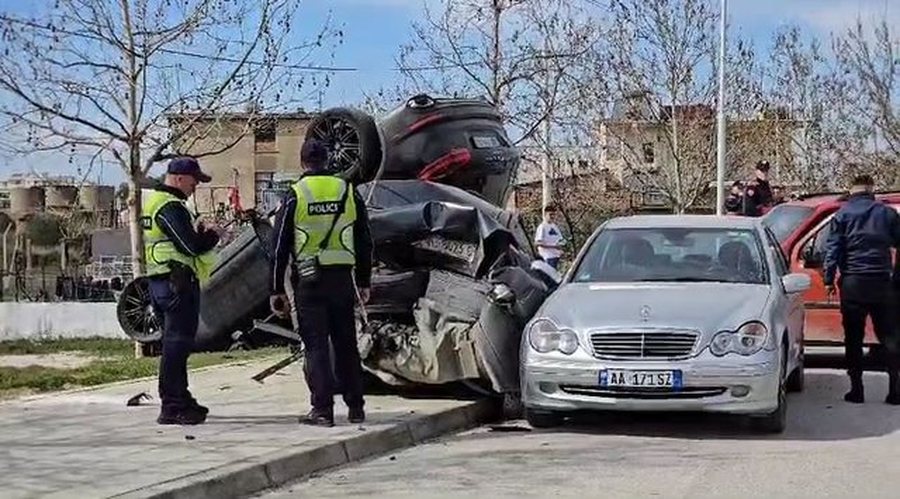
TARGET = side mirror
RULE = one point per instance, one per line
(796, 283)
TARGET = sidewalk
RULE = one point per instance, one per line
(89, 444)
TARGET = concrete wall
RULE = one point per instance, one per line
(51, 320)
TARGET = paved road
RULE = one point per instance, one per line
(831, 449)
(88, 444)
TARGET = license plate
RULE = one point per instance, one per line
(640, 379)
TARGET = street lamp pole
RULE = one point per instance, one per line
(720, 156)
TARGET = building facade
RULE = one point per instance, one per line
(245, 154)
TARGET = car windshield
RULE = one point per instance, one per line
(784, 219)
(673, 255)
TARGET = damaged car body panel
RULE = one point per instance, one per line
(455, 277)
(465, 248)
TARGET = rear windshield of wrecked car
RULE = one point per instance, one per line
(675, 255)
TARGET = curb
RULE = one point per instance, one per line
(257, 474)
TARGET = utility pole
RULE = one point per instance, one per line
(546, 178)
(720, 156)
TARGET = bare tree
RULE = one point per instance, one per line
(845, 98)
(868, 65)
(526, 57)
(99, 75)
(661, 126)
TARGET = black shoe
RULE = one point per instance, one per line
(856, 395)
(356, 416)
(315, 418)
(187, 416)
(199, 408)
(893, 397)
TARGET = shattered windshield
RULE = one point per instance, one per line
(673, 255)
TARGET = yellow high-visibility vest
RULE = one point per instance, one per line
(159, 249)
(318, 201)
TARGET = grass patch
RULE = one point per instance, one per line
(115, 362)
(98, 347)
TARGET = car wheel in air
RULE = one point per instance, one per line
(352, 139)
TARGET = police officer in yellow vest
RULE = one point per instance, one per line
(323, 225)
(178, 258)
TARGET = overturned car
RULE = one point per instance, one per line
(455, 278)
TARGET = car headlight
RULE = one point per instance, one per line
(545, 337)
(747, 340)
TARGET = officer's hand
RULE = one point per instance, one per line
(218, 229)
(279, 305)
(830, 290)
(364, 295)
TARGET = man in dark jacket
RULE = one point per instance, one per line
(863, 232)
(315, 222)
(734, 203)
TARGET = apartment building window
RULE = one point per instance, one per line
(265, 132)
(649, 153)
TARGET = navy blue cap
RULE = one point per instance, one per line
(314, 154)
(187, 166)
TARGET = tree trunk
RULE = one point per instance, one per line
(134, 225)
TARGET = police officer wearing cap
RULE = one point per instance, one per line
(178, 258)
(758, 197)
(323, 225)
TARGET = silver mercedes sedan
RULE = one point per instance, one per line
(669, 313)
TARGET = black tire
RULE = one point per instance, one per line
(543, 419)
(776, 421)
(797, 380)
(512, 405)
(135, 313)
(352, 138)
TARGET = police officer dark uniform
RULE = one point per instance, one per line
(863, 232)
(758, 198)
(178, 259)
(323, 225)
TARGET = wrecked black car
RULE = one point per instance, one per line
(456, 277)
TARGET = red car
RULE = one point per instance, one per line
(802, 227)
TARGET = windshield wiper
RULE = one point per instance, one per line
(681, 279)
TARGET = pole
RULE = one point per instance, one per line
(546, 178)
(720, 156)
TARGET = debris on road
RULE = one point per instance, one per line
(137, 399)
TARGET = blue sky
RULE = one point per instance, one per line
(375, 29)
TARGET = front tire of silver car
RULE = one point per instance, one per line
(543, 419)
(776, 421)
(796, 381)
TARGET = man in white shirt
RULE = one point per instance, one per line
(548, 238)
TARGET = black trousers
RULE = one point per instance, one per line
(180, 310)
(325, 311)
(862, 297)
